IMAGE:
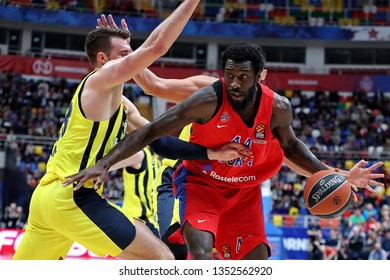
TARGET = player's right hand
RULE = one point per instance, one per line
(97, 171)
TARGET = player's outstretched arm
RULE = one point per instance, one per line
(98, 172)
(359, 176)
(299, 157)
(199, 107)
(175, 90)
(123, 69)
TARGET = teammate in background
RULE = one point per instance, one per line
(220, 201)
(97, 118)
(167, 207)
(138, 180)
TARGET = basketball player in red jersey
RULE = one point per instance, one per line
(220, 201)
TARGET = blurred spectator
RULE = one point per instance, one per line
(356, 243)
(334, 98)
(356, 218)
(296, 98)
(316, 249)
(371, 222)
(320, 98)
(377, 253)
(313, 228)
(342, 252)
(386, 242)
(371, 238)
(13, 215)
(332, 243)
(370, 214)
(384, 212)
(295, 207)
(378, 97)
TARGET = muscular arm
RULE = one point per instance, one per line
(166, 146)
(297, 155)
(121, 70)
(300, 159)
(175, 90)
(199, 107)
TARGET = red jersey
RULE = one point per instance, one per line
(227, 126)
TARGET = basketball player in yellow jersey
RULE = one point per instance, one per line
(97, 118)
(138, 180)
(167, 207)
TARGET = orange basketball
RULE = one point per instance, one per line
(327, 194)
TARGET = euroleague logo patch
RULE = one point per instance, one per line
(260, 131)
(226, 251)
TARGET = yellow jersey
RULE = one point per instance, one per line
(138, 189)
(82, 142)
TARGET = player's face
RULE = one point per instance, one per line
(119, 48)
(240, 83)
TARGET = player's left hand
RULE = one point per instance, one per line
(361, 177)
(229, 151)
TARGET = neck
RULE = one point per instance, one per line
(249, 112)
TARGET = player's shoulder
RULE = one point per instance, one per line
(281, 102)
(281, 111)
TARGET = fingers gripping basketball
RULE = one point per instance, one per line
(327, 194)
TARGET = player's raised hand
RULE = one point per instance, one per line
(103, 22)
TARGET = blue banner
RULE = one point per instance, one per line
(193, 28)
(296, 241)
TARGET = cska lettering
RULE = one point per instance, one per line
(247, 142)
(238, 162)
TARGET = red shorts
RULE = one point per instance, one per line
(233, 215)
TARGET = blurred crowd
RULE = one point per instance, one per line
(309, 12)
(363, 235)
(13, 216)
(339, 129)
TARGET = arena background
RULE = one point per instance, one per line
(314, 48)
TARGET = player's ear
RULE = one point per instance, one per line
(102, 58)
(263, 74)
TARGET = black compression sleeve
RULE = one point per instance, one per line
(174, 148)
